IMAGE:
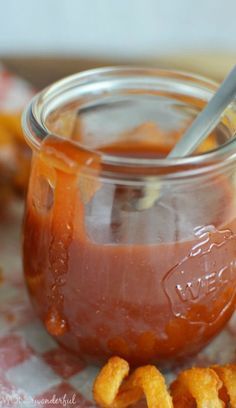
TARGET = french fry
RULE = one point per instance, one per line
(212, 387)
(111, 390)
(12, 139)
(227, 375)
(107, 384)
(197, 386)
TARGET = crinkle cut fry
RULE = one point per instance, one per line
(111, 391)
(197, 387)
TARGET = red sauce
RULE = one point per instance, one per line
(158, 299)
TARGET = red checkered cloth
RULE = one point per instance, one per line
(34, 370)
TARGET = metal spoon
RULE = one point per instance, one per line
(201, 127)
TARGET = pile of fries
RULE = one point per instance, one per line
(15, 156)
(213, 387)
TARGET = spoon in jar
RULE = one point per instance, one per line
(200, 128)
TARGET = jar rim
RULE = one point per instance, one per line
(36, 131)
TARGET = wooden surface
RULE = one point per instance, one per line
(43, 70)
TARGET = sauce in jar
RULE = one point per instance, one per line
(106, 276)
(99, 293)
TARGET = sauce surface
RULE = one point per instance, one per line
(149, 286)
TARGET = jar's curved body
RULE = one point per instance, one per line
(107, 277)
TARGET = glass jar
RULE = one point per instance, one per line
(127, 252)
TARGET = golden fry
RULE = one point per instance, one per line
(12, 123)
(6, 137)
(12, 139)
(111, 392)
(213, 387)
(197, 384)
(227, 375)
(109, 380)
(151, 381)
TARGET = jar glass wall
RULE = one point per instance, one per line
(127, 252)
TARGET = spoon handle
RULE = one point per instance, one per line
(208, 118)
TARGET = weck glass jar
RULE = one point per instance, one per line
(127, 252)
